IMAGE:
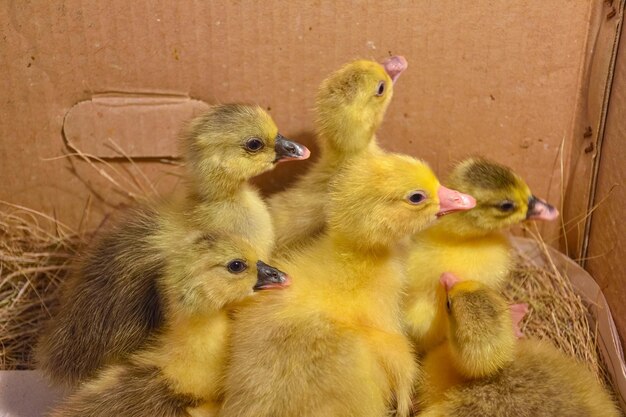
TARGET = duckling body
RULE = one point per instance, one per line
(350, 107)
(332, 344)
(471, 245)
(110, 306)
(481, 370)
(182, 368)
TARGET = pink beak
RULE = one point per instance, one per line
(539, 209)
(451, 201)
(448, 280)
(518, 311)
(394, 66)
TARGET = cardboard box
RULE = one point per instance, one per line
(538, 86)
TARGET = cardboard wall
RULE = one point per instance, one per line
(605, 258)
(499, 78)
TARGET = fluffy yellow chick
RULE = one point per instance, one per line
(350, 107)
(183, 367)
(332, 344)
(111, 305)
(535, 379)
(471, 244)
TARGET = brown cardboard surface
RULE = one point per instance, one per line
(499, 78)
(589, 121)
(26, 394)
(140, 125)
(607, 243)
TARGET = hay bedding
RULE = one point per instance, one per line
(36, 254)
(34, 260)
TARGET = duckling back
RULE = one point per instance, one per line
(103, 314)
(540, 382)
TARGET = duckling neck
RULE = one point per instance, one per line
(349, 249)
(446, 229)
(193, 351)
(214, 188)
(339, 145)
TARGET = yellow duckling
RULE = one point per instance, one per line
(350, 107)
(332, 344)
(471, 244)
(534, 379)
(182, 368)
(111, 305)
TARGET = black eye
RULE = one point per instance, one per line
(506, 206)
(237, 266)
(380, 90)
(449, 305)
(417, 197)
(254, 144)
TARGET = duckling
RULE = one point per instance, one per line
(482, 333)
(181, 369)
(470, 244)
(535, 379)
(110, 305)
(350, 107)
(332, 344)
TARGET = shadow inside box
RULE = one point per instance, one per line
(26, 394)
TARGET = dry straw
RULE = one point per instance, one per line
(34, 260)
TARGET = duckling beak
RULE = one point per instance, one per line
(518, 311)
(451, 201)
(269, 277)
(538, 209)
(448, 280)
(287, 150)
(394, 66)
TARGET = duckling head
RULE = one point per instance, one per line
(211, 271)
(473, 308)
(482, 327)
(351, 103)
(378, 199)
(233, 142)
(502, 199)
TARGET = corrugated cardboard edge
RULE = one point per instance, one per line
(601, 318)
(593, 181)
(596, 75)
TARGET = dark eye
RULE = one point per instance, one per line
(449, 305)
(380, 90)
(506, 206)
(416, 197)
(237, 266)
(254, 144)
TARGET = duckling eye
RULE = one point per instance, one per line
(417, 197)
(449, 305)
(380, 90)
(237, 266)
(254, 144)
(506, 206)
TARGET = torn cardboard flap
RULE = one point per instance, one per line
(136, 125)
